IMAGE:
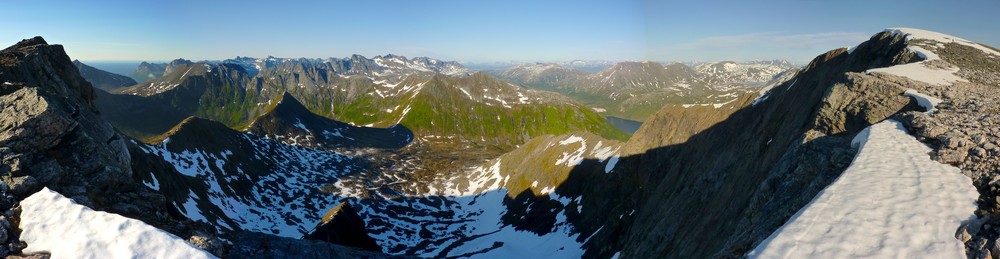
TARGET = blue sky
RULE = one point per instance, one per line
(480, 31)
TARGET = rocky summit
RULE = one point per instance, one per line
(887, 148)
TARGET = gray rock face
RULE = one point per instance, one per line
(49, 132)
(51, 136)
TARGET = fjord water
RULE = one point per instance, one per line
(623, 124)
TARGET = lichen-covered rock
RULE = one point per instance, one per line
(208, 243)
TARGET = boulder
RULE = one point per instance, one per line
(343, 226)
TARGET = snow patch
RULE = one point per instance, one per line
(920, 72)
(46, 225)
(918, 34)
(892, 202)
(575, 158)
(926, 101)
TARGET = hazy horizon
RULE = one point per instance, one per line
(477, 32)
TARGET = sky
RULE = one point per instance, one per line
(483, 31)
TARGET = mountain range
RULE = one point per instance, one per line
(389, 156)
(380, 92)
(635, 90)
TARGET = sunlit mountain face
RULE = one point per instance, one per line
(499, 130)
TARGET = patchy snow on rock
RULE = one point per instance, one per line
(55, 224)
(892, 202)
(155, 184)
(920, 72)
(561, 243)
(571, 140)
(918, 34)
(575, 158)
(285, 202)
(926, 101)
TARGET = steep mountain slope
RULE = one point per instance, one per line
(721, 180)
(153, 107)
(785, 149)
(101, 79)
(729, 72)
(290, 122)
(148, 71)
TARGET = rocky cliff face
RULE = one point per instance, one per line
(51, 136)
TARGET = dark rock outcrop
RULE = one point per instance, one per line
(291, 122)
(256, 245)
(51, 135)
(342, 225)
